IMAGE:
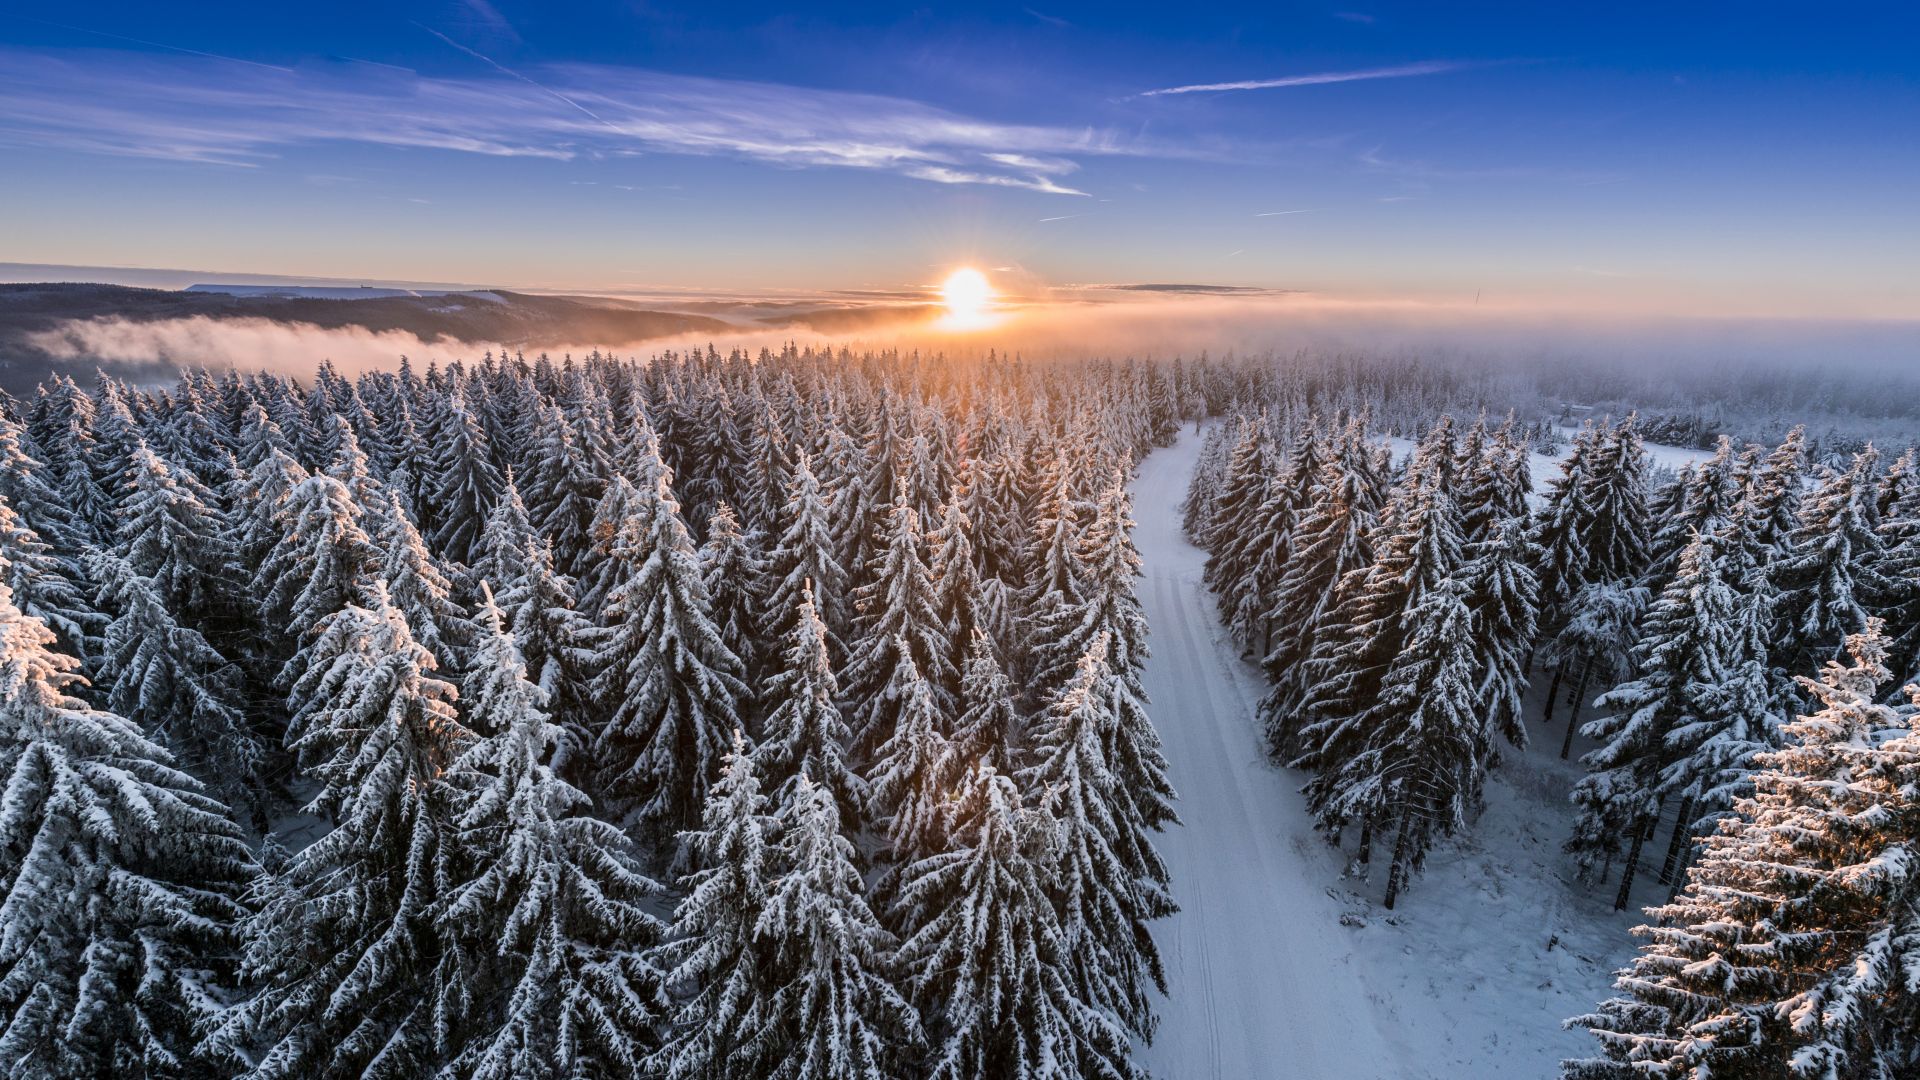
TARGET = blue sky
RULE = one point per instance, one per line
(1726, 158)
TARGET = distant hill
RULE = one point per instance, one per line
(491, 317)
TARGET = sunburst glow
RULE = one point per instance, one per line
(968, 298)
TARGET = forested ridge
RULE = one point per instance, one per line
(1737, 632)
(716, 716)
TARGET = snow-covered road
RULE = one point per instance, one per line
(1261, 975)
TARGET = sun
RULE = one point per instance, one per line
(968, 298)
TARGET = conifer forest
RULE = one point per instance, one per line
(819, 714)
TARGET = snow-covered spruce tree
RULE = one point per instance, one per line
(1196, 509)
(897, 620)
(318, 560)
(30, 485)
(907, 789)
(718, 969)
(548, 917)
(987, 958)
(1331, 541)
(1899, 573)
(668, 684)
(804, 732)
(1619, 531)
(1709, 494)
(349, 464)
(539, 605)
(269, 473)
(833, 1010)
(1269, 541)
(417, 585)
(563, 490)
(1246, 484)
(1417, 549)
(956, 583)
(1500, 590)
(1419, 761)
(1104, 903)
(47, 587)
(993, 510)
(1680, 701)
(344, 950)
(1595, 637)
(602, 570)
(1773, 494)
(1106, 565)
(1791, 951)
(171, 531)
(988, 722)
(165, 677)
(466, 481)
(1052, 563)
(733, 568)
(120, 882)
(1560, 527)
(803, 559)
(1828, 578)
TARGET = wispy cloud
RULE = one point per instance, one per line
(1360, 17)
(1060, 217)
(1050, 20)
(195, 109)
(1402, 71)
(1284, 213)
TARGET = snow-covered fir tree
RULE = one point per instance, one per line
(716, 965)
(541, 607)
(804, 731)
(898, 620)
(832, 1008)
(906, 789)
(1682, 700)
(549, 918)
(1104, 903)
(120, 882)
(670, 686)
(732, 566)
(988, 723)
(1416, 767)
(165, 677)
(803, 559)
(985, 954)
(342, 954)
(1791, 951)
(48, 587)
(1828, 577)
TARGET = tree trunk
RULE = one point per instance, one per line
(1680, 874)
(1580, 687)
(1566, 745)
(1573, 707)
(1397, 873)
(1553, 691)
(1365, 855)
(1633, 863)
(1682, 832)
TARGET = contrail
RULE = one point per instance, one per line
(1425, 67)
(505, 70)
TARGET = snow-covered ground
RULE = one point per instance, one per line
(1276, 966)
